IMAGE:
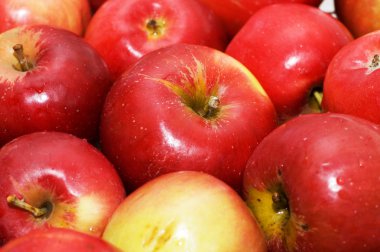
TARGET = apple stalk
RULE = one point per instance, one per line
(24, 64)
(20, 203)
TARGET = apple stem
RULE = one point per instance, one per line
(22, 59)
(211, 107)
(37, 212)
(280, 201)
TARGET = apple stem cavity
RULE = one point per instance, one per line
(375, 62)
(155, 28)
(20, 203)
(211, 107)
(24, 65)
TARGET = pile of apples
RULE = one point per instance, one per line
(189, 125)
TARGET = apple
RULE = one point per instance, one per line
(58, 240)
(50, 79)
(360, 17)
(136, 27)
(72, 15)
(184, 107)
(352, 83)
(313, 184)
(184, 211)
(54, 179)
(288, 47)
(95, 4)
(235, 14)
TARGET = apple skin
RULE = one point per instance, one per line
(352, 81)
(73, 177)
(129, 36)
(152, 121)
(235, 14)
(64, 91)
(288, 47)
(58, 240)
(72, 15)
(95, 4)
(360, 17)
(184, 211)
(327, 166)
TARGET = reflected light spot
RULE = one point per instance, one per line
(333, 184)
(291, 62)
(169, 138)
(38, 98)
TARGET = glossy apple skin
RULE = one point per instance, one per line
(328, 165)
(65, 90)
(58, 240)
(235, 14)
(186, 21)
(360, 17)
(148, 130)
(80, 183)
(288, 47)
(352, 81)
(184, 211)
(72, 15)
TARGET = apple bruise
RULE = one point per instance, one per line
(272, 211)
(155, 28)
(195, 94)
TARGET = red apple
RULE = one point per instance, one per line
(58, 240)
(54, 179)
(360, 17)
(288, 47)
(184, 107)
(352, 83)
(184, 211)
(123, 31)
(72, 15)
(235, 14)
(50, 79)
(313, 184)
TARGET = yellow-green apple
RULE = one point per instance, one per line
(360, 17)
(58, 240)
(184, 211)
(50, 79)
(352, 83)
(54, 179)
(72, 15)
(235, 14)
(136, 27)
(288, 47)
(313, 184)
(184, 107)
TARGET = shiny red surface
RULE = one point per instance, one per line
(235, 14)
(118, 32)
(146, 129)
(63, 92)
(288, 48)
(58, 240)
(329, 166)
(65, 168)
(351, 86)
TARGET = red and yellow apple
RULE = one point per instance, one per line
(184, 107)
(123, 31)
(184, 211)
(360, 17)
(58, 240)
(313, 184)
(288, 47)
(54, 179)
(50, 79)
(72, 15)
